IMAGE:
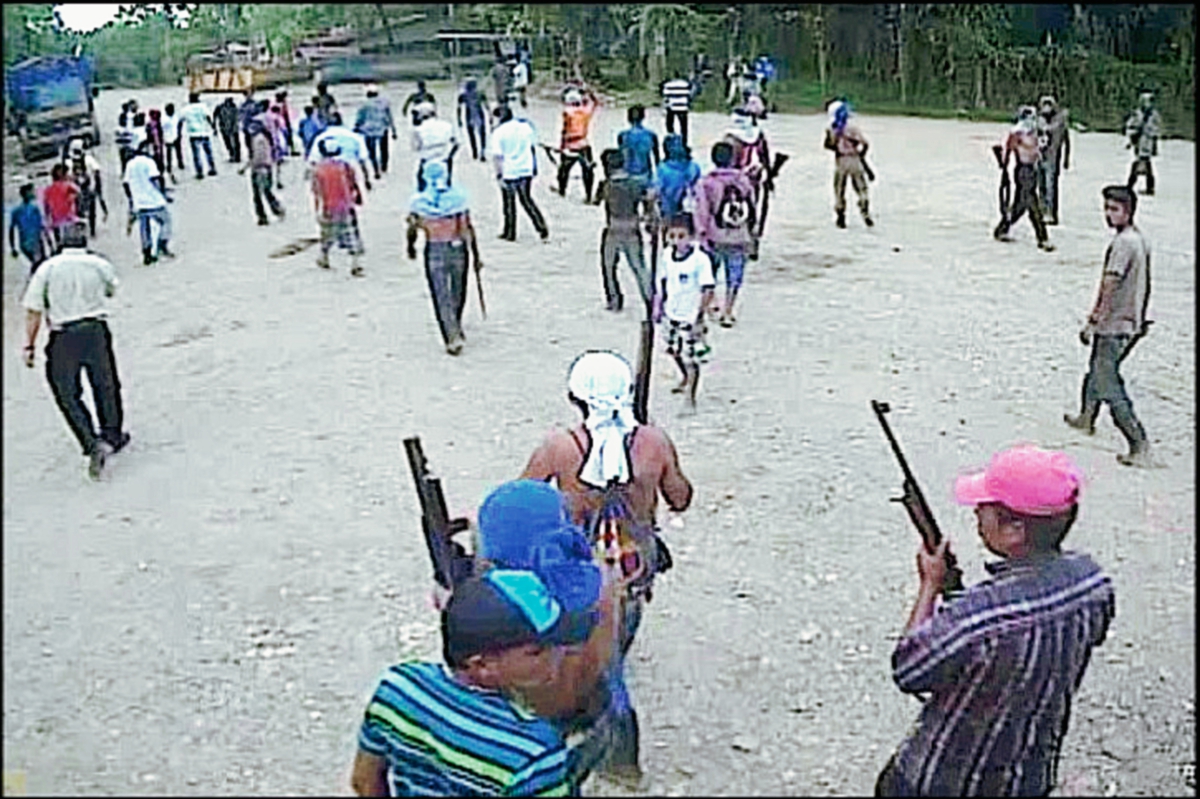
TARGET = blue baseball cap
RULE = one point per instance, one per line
(524, 524)
(507, 608)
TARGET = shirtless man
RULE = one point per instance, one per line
(1023, 141)
(581, 459)
(610, 448)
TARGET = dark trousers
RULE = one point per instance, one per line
(1142, 167)
(202, 143)
(612, 244)
(567, 161)
(377, 149)
(477, 128)
(682, 116)
(260, 184)
(1025, 176)
(35, 256)
(1103, 384)
(511, 190)
(176, 148)
(86, 345)
(233, 145)
(446, 270)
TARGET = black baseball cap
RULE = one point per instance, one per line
(506, 608)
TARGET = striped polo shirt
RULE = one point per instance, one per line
(677, 95)
(1001, 664)
(443, 738)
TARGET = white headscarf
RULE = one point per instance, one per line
(603, 381)
(744, 127)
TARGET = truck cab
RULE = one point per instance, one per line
(50, 100)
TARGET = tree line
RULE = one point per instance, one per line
(966, 59)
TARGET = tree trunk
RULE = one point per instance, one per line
(658, 63)
(979, 65)
(387, 26)
(642, 45)
(901, 57)
(822, 51)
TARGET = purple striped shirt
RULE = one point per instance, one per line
(1001, 664)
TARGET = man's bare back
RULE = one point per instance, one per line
(1025, 145)
(655, 468)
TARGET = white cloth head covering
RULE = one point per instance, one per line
(744, 127)
(832, 110)
(603, 381)
(573, 97)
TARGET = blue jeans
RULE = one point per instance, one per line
(197, 143)
(733, 258)
(163, 219)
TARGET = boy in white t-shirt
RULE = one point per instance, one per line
(685, 284)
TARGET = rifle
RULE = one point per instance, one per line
(1005, 185)
(552, 151)
(641, 385)
(768, 188)
(870, 173)
(451, 563)
(918, 509)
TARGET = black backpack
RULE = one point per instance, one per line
(735, 210)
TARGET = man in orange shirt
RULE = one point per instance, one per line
(335, 193)
(577, 118)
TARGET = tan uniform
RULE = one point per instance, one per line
(848, 166)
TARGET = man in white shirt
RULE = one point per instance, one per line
(70, 289)
(172, 139)
(677, 102)
(197, 125)
(513, 149)
(685, 291)
(432, 140)
(352, 146)
(520, 73)
(148, 204)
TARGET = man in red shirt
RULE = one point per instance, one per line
(59, 202)
(335, 193)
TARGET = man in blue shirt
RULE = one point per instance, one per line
(26, 224)
(639, 147)
(373, 123)
(310, 128)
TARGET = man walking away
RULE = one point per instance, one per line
(310, 127)
(70, 289)
(123, 135)
(373, 123)
(520, 80)
(473, 101)
(675, 183)
(286, 111)
(1055, 143)
(579, 107)
(1116, 323)
(148, 204)
(60, 201)
(998, 668)
(432, 140)
(226, 117)
(441, 211)
(352, 148)
(421, 95)
(725, 217)
(27, 226)
(677, 95)
(622, 198)
(249, 109)
(1022, 140)
(514, 143)
(335, 193)
(324, 103)
(502, 79)
(849, 147)
(198, 127)
(639, 147)
(261, 161)
(172, 139)
(1143, 129)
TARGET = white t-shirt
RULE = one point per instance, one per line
(193, 118)
(170, 129)
(145, 195)
(520, 75)
(72, 285)
(513, 143)
(354, 146)
(684, 282)
(433, 139)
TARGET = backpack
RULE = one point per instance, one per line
(734, 211)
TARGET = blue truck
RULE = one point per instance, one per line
(50, 99)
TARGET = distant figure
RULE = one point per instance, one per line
(420, 96)
(475, 103)
(520, 81)
(335, 192)
(373, 122)
(310, 127)
(1143, 129)
(324, 103)
(639, 147)
(286, 112)
(173, 139)
(514, 143)
(677, 95)
(226, 117)
(502, 79)
(198, 127)
(849, 147)
(1055, 144)
(27, 226)
(1022, 141)
(60, 203)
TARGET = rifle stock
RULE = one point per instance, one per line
(641, 385)
(918, 508)
(451, 563)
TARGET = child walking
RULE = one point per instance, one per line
(685, 291)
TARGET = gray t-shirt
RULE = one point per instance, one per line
(1128, 260)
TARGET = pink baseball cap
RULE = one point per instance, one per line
(1026, 479)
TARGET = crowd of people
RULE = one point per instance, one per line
(531, 697)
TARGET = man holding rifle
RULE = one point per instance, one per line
(1001, 663)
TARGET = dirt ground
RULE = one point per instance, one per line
(211, 617)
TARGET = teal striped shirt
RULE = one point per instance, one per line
(443, 738)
